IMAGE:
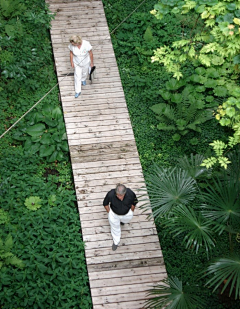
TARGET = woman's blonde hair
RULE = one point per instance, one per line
(75, 39)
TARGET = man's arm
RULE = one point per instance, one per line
(132, 207)
(106, 202)
(107, 208)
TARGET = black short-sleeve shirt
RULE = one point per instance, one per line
(120, 207)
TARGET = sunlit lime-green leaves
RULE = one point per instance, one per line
(33, 202)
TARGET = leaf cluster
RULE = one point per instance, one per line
(43, 132)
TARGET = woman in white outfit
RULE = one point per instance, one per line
(81, 57)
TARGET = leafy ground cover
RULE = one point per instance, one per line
(42, 262)
(145, 86)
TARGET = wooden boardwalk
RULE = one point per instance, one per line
(103, 153)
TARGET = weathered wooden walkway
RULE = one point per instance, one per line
(103, 153)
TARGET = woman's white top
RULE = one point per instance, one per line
(81, 55)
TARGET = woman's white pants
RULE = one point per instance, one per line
(114, 221)
(80, 75)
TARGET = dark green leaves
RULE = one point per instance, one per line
(171, 294)
(227, 272)
(169, 188)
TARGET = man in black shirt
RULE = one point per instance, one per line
(120, 204)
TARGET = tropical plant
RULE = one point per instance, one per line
(217, 41)
(193, 166)
(225, 272)
(197, 215)
(188, 106)
(44, 133)
(228, 114)
(168, 188)
(172, 295)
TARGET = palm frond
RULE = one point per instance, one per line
(197, 229)
(193, 166)
(168, 188)
(171, 295)
(221, 201)
(225, 271)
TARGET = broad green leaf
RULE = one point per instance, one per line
(165, 94)
(176, 98)
(161, 8)
(53, 156)
(148, 36)
(10, 30)
(236, 59)
(209, 99)
(217, 60)
(200, 9)
(200, 88)
(46, 150)
(176, 137)
(64, 146)
(56, 137)
(158, 108)
(33, 148)
(60, 156)
(46, 109)
(8, 242)
(174, 84)
(200, 70)
(231, 6)
(36, 130)
(220, 91)
(46, 139)
(228, 18)
(57, 113)
(230, 111)
(210, 83)
(51, 122)
(33, 202)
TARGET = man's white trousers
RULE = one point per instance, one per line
(80, 75)
(114, 221)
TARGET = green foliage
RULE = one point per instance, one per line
(193, 166)
(187, 112)
(141, 82)
(33, 202)
(6, 256)
(4, 217)
(172, 295)
(43, 132)
(48, 240)
(225, 271)
(169, 188)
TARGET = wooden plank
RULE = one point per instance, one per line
(109, 274)
(136, 304)
(122, 289)
(127, 264)
(126, 233)
(121, 280)
(123, 256)
(93, 245)
(111, 300)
